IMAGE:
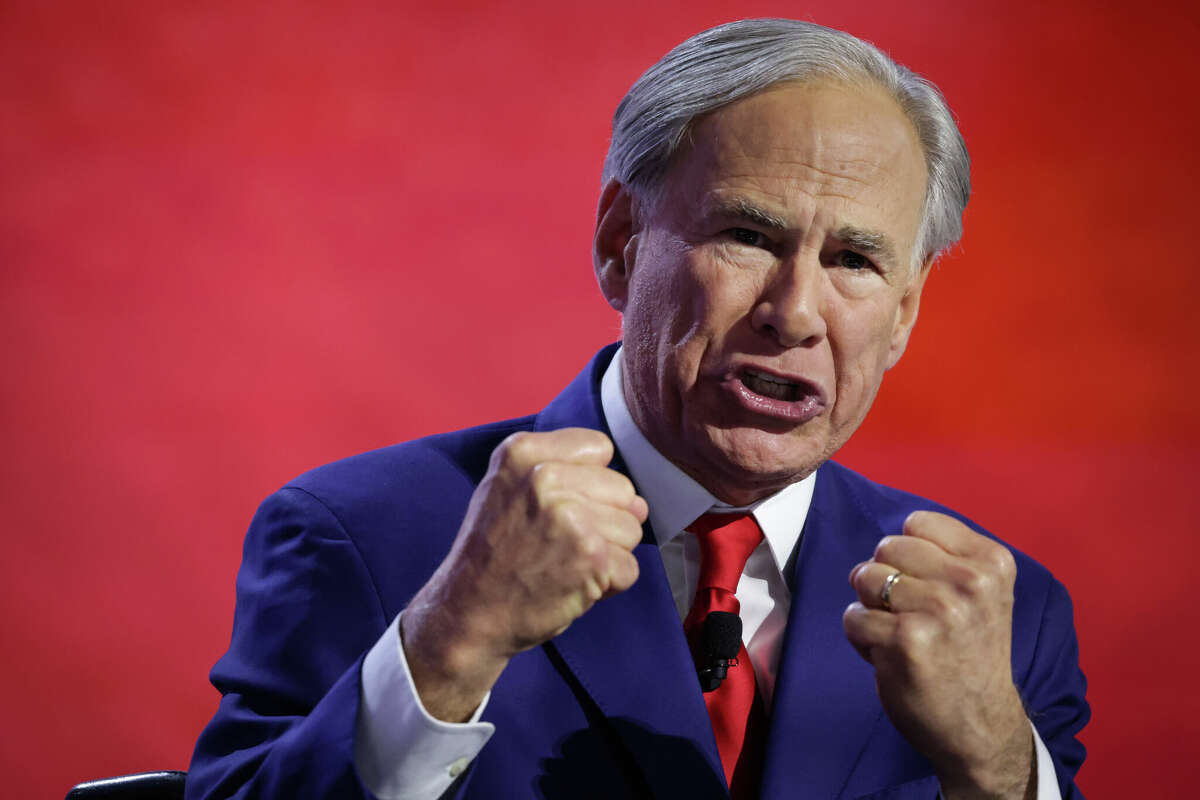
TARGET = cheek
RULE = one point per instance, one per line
(651, 316)
(679, 301)
(722, 295)
(655, 322)
(686, 306)
(861, 345)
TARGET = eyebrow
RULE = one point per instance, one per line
(871, 243)
(740, 208)
(868, 242)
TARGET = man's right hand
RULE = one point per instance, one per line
(549, 531)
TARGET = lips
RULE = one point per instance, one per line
(766, 393)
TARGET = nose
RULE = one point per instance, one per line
(789, 308)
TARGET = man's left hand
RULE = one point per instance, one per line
(941, 652)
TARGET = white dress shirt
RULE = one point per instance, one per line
(676, 501)
(403, 753)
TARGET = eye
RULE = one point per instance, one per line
(852, 260)
(747, 237)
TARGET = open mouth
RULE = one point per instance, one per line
(768, 395)
(773, 386)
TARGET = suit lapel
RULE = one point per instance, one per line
(825, 694)
(630, 655)
(629, 652)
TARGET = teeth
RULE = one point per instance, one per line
(769, 378)
(770, 386)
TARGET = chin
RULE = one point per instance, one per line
(752, 463)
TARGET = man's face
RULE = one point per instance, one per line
(771, 286)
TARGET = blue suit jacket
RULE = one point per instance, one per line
(610, 708)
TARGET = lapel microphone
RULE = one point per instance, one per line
(721, 639)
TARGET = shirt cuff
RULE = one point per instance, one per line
(401, 752)
(1047, 781)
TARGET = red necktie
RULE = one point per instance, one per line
(734, 708)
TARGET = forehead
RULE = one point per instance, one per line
(808, 149)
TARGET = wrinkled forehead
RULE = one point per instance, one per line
(796, 141)
(861, 129)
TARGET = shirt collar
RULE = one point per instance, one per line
(676, 500)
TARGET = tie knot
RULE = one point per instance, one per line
(726, 541)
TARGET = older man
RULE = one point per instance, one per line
(552, 606)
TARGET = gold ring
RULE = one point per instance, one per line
(885, 596)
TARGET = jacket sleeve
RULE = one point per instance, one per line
(1054, 689)
(307, 611)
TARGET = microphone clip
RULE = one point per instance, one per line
(715, 672)
(720, 643)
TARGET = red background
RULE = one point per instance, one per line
(239, 240)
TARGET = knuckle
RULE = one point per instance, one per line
(615, 570)
(514, 450)
(545, 476)
(887, 547)
(582, 443)
(971, 579)
(914, 635)
(849, 615)
(916, 521)
(975, 583)
(958, 614)
(630, 568)
(593, 590)
(629, 532)
(592, 549)
(598, 563)
(598, 440)
(1004, 564)
(857, 579)
(568, 517)
(951, 608)
(940, 601)
(862, 580)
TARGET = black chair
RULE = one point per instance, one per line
(165, 785)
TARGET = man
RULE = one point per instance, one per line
(497, 612)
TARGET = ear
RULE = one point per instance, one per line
(614, 248)
(906, 313)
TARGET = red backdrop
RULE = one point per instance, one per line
(239, 240)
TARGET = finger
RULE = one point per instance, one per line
(603, 558)
(623, 570)
(521, 451)
(893, 644)
(913, 556)
(868, 629)
(908, 593)
(980, 560)
(594, 483)
(946, 532)
(614, 526)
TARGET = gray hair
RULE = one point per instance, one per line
(738, 59)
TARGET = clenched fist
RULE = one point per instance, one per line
(549, 531)
(939, 638)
